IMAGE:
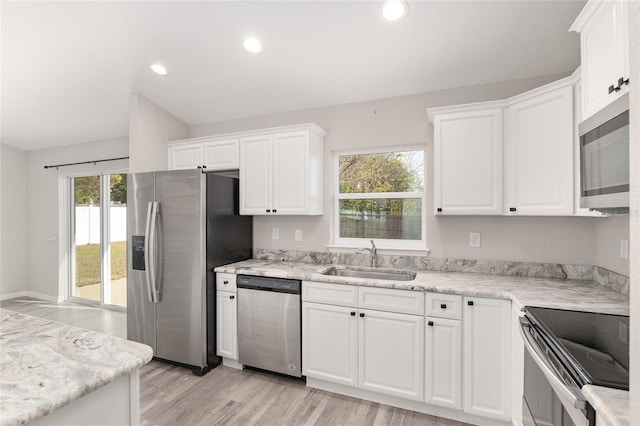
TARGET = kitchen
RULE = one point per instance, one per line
(389, 121)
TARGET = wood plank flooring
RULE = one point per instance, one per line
(172, 395)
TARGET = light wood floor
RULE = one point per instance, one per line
(172, 395)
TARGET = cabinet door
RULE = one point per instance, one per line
(605, 59)
(487, 357)
(290, 172)
(185, 156)
(443, 362)
(227, 325)
(255, 175)
(391, 354)
(221, 155)
(468, 162)
(330, 343)
(539, 154)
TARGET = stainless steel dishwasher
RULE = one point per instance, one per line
(269, 317)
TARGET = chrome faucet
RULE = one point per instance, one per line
(374, 254)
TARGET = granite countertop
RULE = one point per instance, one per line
(583, 295)
(611, 404)
(45, 365)
(522, 291)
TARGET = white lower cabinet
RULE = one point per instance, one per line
(391, 353)
(443, 362)
(330, 343)
(487, 357)
(227, 324)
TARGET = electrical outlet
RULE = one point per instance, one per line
(624, 249)
(474, 239)
(622, 332)
(275, 233)
(298, 235)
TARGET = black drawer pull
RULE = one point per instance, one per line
(268, 210)
(512, 209)
(439, 209)
(443, 306)
(274, 210)
(470, 303)
(232, 297)
(361, 314)
(353, 314)
(430, 323)
(225, 282)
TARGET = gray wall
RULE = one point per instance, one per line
(13, 220)
(46, 231)
(403, 121)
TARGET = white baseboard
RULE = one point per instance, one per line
(33, 294)
(228, 362)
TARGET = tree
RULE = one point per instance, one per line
(118, 189)
(87, 189)
(374, 173)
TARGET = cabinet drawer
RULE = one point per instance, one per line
(441, 305)
(226, 282)
(391, 300)
(330, 294)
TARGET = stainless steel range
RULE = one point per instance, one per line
(566, 350)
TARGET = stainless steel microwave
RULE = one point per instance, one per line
(604, 159)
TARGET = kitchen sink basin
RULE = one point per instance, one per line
(371, 274)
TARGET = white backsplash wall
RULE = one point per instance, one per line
(402, 121)
(609, 232)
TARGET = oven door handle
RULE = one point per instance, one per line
(569, 392)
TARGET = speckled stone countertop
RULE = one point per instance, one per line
(45, 365)
(611, 404)
(522, 291)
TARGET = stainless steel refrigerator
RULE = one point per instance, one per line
(180, 224)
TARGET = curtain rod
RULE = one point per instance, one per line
(84, 162)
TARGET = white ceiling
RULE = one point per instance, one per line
(68, 67)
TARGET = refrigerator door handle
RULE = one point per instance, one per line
(147, 254)
(155, 297)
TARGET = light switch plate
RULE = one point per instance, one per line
(275, 233)
(624, 249)
(298, 235)
(474, 239)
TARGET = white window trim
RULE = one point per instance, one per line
(388, 246)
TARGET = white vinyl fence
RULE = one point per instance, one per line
(88, 224)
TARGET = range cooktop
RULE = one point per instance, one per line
(594, 346)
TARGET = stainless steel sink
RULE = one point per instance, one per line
(371, 274)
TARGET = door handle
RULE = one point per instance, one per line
(147, 254)
(155, 296)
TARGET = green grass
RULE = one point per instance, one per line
(88, 263)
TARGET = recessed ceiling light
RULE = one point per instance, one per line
(159, 69)
(392, 10)
(252, 44)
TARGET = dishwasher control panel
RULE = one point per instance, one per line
(281, 285)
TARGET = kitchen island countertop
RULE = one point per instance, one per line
(45, 365)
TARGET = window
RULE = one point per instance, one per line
(98, 234)
(381, 197)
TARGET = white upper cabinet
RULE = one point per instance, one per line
(211, 153)
(538, 157)
(603, 28)
(281, 171)
(511, 157)
(468, 160)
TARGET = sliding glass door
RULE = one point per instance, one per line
(98, 239)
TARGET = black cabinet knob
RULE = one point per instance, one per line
(430, 323)
(512, 209)
(470, 303)
(232, 297)
(225, 282)
(443, 306)
(622, 82)
(439, 209)
(353, 314)
(274, 210)
(361, 314)
(268, 210)
(204, 167)
(611, 89)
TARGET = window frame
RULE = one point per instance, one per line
(381, 243)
